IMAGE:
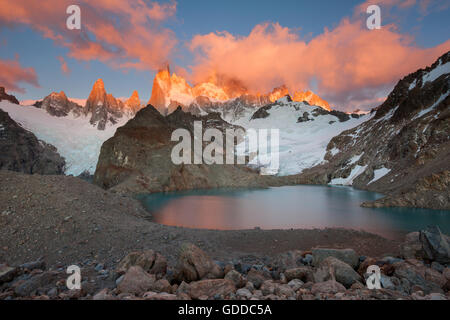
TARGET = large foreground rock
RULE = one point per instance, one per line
(334, 269)
(136, 281)
(330, 286)
(194, 264)
(435, 245)
(211, 288)
(348, 256)
(149, 260)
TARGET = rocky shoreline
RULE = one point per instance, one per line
(420, 272)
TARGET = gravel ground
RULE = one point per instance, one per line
(67, 220)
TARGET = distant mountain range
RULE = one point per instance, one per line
(401, 148)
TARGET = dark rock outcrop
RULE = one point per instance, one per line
(21, 151)
(138, 158)
(9, 97)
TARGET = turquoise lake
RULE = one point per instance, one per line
(303, 207)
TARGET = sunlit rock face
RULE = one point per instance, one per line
(103, 107)
(170, 91)
(312, 98)
(133, 103)
(57, 104)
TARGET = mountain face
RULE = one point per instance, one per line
(8, 97)
(311, 98)
(133, 104)
(21, 151)
(103, 107)
(58, 105)
(138, 158)
(404, 149)
(230, 98)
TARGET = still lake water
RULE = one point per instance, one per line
(303, 207)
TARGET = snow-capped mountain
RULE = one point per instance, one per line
(404, 149)
(305, 130)
(105, 108)
(229, 98)
(58, 105)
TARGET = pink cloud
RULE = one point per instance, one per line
(13, 74)
(64, 68)
(120, 33)
(348, 63)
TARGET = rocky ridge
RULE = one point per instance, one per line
(403, 150)
(9, 97)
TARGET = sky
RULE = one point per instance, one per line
(323, 46)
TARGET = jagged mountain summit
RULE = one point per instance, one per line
(170, 91)
(404, 149)
(104, 107)
(133, 103)
(58, 105)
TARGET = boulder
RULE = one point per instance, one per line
(136, 281)
(211, 288)
(412, 274)
(329, 286)
(435, 245)
(288, 260)
(7, 273)
(284, 290)
(244, 293)
(159, 296)
(348, 256)
(411, 248)
(295, 284)
(268, 287)
(446, 273)
(40, 281)
(334, 269)
(257, 277)
(304, 274)
(436, 277)
(237, 278)
(194, 264)
(149, 260)
(103, 294)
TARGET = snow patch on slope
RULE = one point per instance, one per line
(436, 72)
(302, 145)
(356, 171)
(75, 138)
(379, 173)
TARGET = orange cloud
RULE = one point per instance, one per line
(12, 74)
(121, 33)
(64, 68)
(340, 65)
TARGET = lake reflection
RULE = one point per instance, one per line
(288, 207)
